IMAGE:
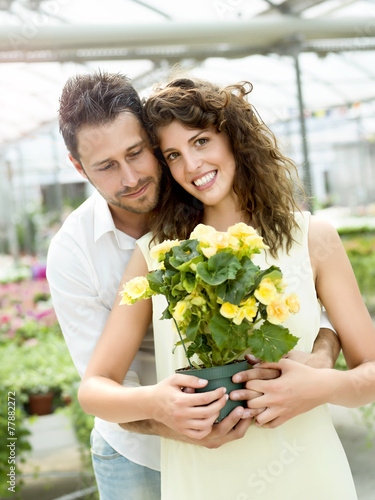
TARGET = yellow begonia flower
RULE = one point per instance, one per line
(241, 230)
(277, 311)
(211, 240)
(240, 316)
(179, 310)
(266, 291)
(208, 251)
(125, 299)
(292, 301)
(254, 241)
(229, 310)
(280, 285)
(163, 248)
(133, 290)
(250, 308)
(248, 234)
(195, 299)
(136, 287)
(201, 231)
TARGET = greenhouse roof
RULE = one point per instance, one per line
(43, 42)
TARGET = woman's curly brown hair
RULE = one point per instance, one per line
(264, 180)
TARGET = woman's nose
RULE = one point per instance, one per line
(192, 162)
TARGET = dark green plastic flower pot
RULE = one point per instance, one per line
(220, 376)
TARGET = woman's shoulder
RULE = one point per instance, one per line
(144, 244)
(321, 228)
(144, 241)
(323, 238)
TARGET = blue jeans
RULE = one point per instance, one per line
(118, 478)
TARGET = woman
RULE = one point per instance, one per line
(225, 168)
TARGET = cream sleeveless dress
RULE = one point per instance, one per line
(302, 459)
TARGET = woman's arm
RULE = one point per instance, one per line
(101, 392)
(338, 290)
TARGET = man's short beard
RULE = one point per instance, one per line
(144, 205)
(142, 209)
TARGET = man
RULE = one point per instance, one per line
(101, 123)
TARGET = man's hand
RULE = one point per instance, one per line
(325, 352)
(232, 427)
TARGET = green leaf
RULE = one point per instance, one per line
(218, 268)
(273, 272)
(166, 314)
(193, 326)
(228, 335)
(200, 346)
(234, 291)
(270, 342)
(182, 256)
(189, 282)
(155, 278)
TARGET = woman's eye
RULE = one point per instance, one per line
(172, 156)
(202, 141)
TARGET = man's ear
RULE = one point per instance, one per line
(78, 166)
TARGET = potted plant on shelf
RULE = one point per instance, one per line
(222, 304)
(39, 369)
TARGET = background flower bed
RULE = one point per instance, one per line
(34, 359)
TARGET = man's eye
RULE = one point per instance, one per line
(136, 153)
(106, 167)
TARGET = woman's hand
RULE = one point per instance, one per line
(299, 389)
(190, 414)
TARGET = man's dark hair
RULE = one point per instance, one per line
(94, 99)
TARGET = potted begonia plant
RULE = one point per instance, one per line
(222, 304)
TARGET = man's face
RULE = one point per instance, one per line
(117, 160)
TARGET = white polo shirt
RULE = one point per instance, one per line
(85, 263)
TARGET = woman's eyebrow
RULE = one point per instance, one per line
(192, 139)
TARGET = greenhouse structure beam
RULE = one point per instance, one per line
(167, 40)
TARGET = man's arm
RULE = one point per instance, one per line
(232, 427)
(325, 351)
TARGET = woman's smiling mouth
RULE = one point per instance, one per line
(205, 179)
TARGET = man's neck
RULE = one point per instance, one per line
(134, 225)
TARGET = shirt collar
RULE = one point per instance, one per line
(103, 223)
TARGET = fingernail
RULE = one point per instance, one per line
(234, 396)
(224, 390)
(202, 381)
(226, 397)
(246, 413)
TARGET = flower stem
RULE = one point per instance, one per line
(183, 344)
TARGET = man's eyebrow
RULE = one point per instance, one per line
(130, 148)
(192, 139)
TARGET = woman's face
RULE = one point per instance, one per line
(201, 161)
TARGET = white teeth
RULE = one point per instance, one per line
(204, 180)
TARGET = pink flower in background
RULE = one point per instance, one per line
(25, 301)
